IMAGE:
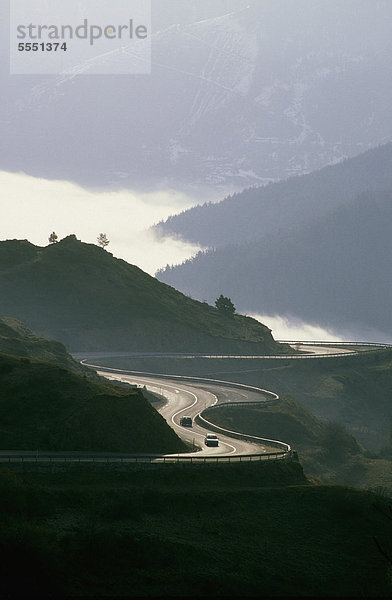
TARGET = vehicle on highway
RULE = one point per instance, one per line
(186, 421)
(211, 440)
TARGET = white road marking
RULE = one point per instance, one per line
(153, 385)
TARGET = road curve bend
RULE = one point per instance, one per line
(191, 396)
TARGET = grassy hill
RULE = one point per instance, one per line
(245, 530)
(356, 394)
(81, 295)
(327, 450)
(46, 407)
(18, 339)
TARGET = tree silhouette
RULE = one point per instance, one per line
(102, 240)
(53, 238)
(225, 305)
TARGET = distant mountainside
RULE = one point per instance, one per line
(334, 272)
(46, 407)
(81, 295)
(243, 98)
(19, 340)
(279, 208)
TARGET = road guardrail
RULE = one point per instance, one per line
(204, 422)
(145, 459)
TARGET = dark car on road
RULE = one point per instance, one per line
(186, 421)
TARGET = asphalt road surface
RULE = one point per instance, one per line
(190, 397)
(185, 399)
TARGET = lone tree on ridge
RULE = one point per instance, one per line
(102, 240)
(53, 238)
(225, 306)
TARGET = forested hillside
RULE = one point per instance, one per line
(279, 208)
(333, 272)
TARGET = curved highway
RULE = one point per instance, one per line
(191, 395)
(190, 399)
(181, 398)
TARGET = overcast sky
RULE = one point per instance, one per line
(32, 207)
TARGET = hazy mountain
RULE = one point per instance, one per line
(283, 206)
(81, 295)
(254, 95)
(334, 272)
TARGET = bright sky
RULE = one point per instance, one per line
(31, 208)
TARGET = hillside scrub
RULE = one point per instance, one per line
(19, 340)
(46, 407)
(177, 531)
(327, 450)
(356, 394)
(81, 295)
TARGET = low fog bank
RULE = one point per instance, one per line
(290, 328)
(31, 208)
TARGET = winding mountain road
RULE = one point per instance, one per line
(191, 396)
(183, 398)
(185, 395)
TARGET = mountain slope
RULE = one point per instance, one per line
(89, 300)
(281, 207)
(19, 340)
(239, 99)
(334, 273)
(46, 407)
